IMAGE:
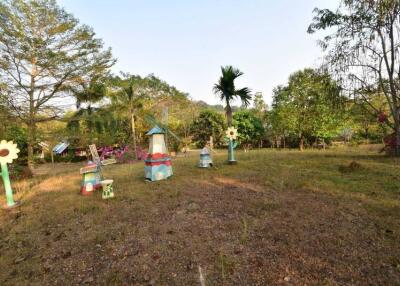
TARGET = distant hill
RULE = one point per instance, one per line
(216, 107)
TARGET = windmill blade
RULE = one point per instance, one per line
(174, 135)
(150, 119)
(153, 121)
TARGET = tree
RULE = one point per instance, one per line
(260, 107)
(250, 127)
(280, 117)
(365, 122)
(208, 123)
(364, 51)
(128, 94)
(227, 91)
(44, 56)
(100, 125)
(309, 106)
(133, 96)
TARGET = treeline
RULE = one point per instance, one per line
(307, 111)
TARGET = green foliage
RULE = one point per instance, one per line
(208, 123)
(260, 107)
(363, 120)
(96, 125)
(310, 106)
(363, 51)
(250, 127)
(134, 98)
(227, 91)
(45, 54)
(18, 135)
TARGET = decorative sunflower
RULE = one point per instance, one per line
(8, 152)
(231, 133)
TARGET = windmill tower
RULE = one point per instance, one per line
(157, 164)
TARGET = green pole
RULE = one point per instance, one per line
(231, 154)
(7, 185)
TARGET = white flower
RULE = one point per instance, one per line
(231, 133)
(8, 152)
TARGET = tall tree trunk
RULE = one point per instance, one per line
(397, 133)
(31, 144)
(133, 134)
(31, 124)
(229, 114)
(301, 144)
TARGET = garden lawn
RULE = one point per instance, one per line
(276, 218)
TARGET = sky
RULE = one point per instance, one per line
(185, 42)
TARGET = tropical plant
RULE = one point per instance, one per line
(227, 91)
(127, 95)
(135, 97)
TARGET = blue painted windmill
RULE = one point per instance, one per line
(158, 163)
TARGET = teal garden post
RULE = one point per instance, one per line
(8, 152)
(231, 135)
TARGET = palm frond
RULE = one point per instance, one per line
(225, 88)
(245, 95)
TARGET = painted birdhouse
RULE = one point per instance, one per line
(205, 158)
(91, 179)
(158, 163)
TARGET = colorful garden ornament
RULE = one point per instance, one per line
(158, 163)
(8, 152)
(231, 134)
(205, 158)
(91, 179)
(107, 189)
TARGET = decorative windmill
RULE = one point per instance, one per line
(158, 163)
(8, 152)
(164, 126)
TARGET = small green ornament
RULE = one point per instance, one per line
(8, 152)
(107, 189)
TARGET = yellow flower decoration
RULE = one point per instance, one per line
(8, 152)
(231, 133)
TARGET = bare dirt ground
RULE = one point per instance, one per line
(276, 218)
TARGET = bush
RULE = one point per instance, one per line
(19, 172)
(208, 123)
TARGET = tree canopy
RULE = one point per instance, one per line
(45, 55)
(363, 51)
(208, 123)
(309, 106)
(227, 91)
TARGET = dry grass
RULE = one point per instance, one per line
(276, 218)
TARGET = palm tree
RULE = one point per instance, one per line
(89, 93)
(128, 95)
(227, 92)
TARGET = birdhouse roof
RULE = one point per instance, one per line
(156, 130)
(60, 147)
